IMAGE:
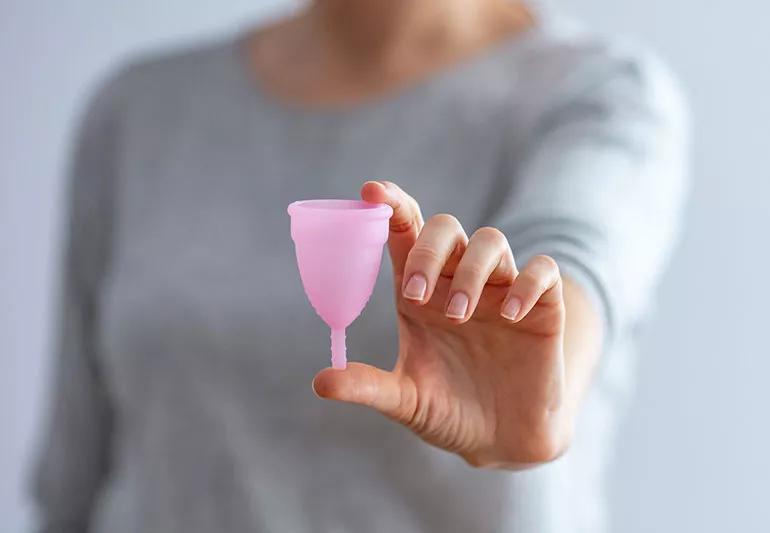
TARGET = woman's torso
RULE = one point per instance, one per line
(209, 344)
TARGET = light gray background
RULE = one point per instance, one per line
(694, 450)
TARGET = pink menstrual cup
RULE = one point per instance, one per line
(339, 251)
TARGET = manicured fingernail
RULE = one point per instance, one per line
(458, 306)
(511, 308)
(415, 288)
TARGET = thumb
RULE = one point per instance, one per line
(365, 385)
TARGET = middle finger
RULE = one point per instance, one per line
(441, 241)
(487, 260)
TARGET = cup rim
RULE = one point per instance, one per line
(342, 207)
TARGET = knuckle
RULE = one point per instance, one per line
(401, 226)
(547, 262)
(471, 271)
(422, 253)
(446, 220)
(491, 235)
(531, 280)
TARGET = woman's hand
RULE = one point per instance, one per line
(481, 363)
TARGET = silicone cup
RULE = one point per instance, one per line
(339, 250)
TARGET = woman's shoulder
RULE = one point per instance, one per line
(160, 77)
(564, 60)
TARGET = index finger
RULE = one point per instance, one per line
(406, 222)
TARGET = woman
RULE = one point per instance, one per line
(180, 402)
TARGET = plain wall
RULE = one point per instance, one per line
(693, 451)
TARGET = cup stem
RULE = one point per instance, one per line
(339, 358)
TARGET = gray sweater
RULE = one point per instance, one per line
(182, 397)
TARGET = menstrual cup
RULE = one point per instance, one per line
(339, 250)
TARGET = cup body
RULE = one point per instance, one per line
(339, 250)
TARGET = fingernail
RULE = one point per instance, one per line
(415, 287)
(458, 306)
(511, 308)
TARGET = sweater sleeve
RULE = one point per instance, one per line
(601, 184)
(74, 457)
